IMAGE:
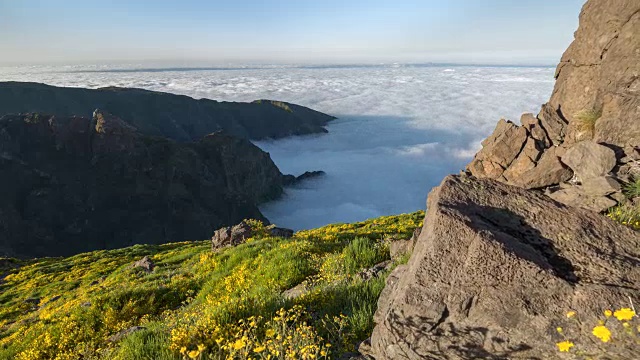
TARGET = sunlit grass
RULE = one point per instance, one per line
(197, 303)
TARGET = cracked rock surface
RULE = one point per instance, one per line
(495, 269)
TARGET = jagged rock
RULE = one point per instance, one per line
(375, 270)
(533, 125)
(145, 264)
(589, 160)
(494, 272)
(548, 171)
(231, 236)
(578, 197)
(603, 185)
(124, 333)
(553, 123)
(280, 232)
(499, 150)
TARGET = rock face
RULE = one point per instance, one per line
(494, 271)
(72, 184)
(231, 236)
(154, 113)
(599, 74)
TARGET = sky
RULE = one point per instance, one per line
(286, 31)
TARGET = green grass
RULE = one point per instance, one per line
(586, 120)
(195, 297)
(632, 189)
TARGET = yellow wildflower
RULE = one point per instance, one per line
(571, 314)
(564, 346)
(602, 333)
(559, 330)
(608, 313)
(259, 349)
(193, 354)
(625, 314)
(239, 344)
(270, 332)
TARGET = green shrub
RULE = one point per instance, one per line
(363, 253)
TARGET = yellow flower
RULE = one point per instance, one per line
(193, 354)
(571, 314)
(608, 313)
(270, 332)
(625, 314)
(602, 333)
(559, 330)
(564, 346)
(239, 344)
(259, 349)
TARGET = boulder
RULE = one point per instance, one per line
(295, 291)
(145, 264)
(603, 185)
(548, 171)
(375, 270)
(494, 272)
(499, 150)
(578, 197)
(231, 236)
(589, 160)
(280, 232)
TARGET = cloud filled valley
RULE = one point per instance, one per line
(400, 129)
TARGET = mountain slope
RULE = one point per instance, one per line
(72, 184)
(177, 117)
(195, 303)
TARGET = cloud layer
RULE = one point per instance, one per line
(400, 128)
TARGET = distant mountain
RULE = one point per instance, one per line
(74, 184)
(178, 117)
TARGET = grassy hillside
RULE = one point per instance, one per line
(199, 304)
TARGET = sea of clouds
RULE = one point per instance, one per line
(400, 128)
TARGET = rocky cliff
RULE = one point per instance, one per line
(502, 271)
(177, 117)
(495, 271)
(593, 115)
(74, 184)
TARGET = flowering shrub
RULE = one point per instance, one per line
(626, 214)
(199, 304)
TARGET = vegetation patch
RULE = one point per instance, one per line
(197, 304)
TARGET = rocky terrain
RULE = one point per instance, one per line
(176, 117)
(515, 259)
(494, 272)
(74, 184)
(585, 142)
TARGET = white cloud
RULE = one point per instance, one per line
(400, 128)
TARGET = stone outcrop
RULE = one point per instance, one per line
(73, 184)
(238, 234)
(177, 117)
(231, 236)
(598, 75)
(494, 272)
(146, 264)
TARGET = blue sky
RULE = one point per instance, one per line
(286, 31)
